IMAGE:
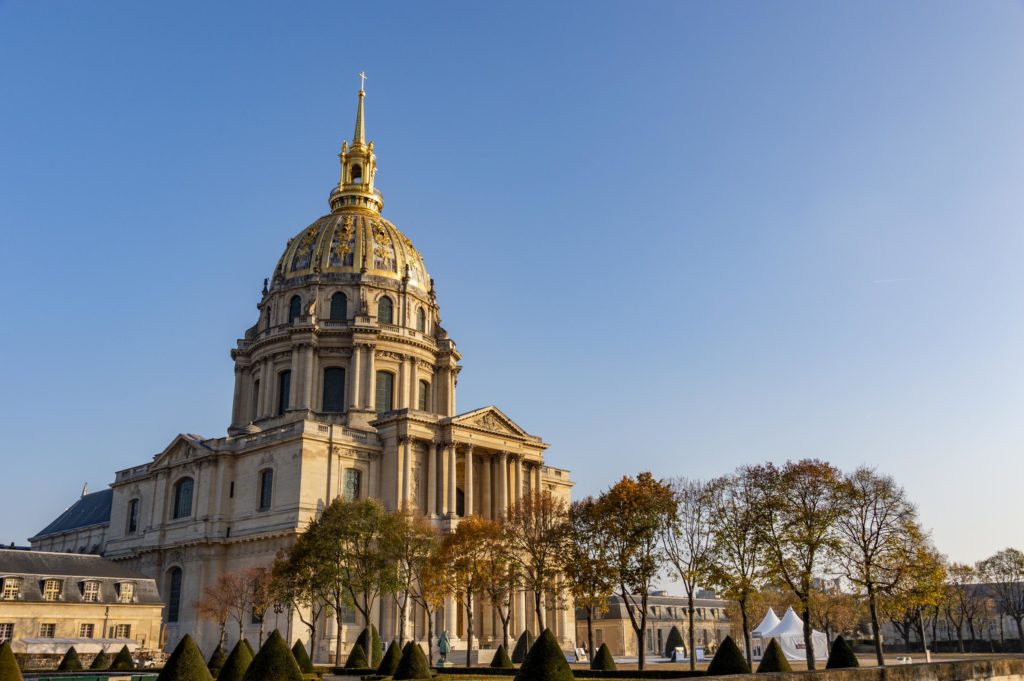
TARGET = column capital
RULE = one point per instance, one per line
(503, 456)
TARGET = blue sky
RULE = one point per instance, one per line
(671, 236)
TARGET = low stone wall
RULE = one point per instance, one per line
(997, 669)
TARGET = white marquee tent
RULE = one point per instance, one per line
(789, 632)
(757, 639)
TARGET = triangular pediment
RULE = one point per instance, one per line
(183, 448)
(490, 419)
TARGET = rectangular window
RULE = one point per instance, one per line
(52, 589)
(6, 631)
(91, 592)
(133, 516)
(385, 390)
(122, 631)
(86, 630)
(353, 484)
(423, 403)
(266, 489)
(334, 389)
(12, 588)
(284, 391)
(47, 630)
(126, 592)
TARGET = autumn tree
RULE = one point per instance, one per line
(805, 501)
(687, 537)
(463, 552)
(259, 594)
(1005, 572)
(739, 559)
(918, 593)
(877, 531)
(298, 579)
(835, 612)
(589, 569)
(215, 606)
(235, 590)
(502, 575)
(634, 512)
(429, 587)
(537, 528)
(407, 542)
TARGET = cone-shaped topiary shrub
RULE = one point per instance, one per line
(357, 658)
(501, 660)
(389, 663)
(123, 661)
(369, 639)
(841, 655)
(603, 661)
(674, 640)
(9, 669)
(274, 662)
(100, 662)
(774, 659)
(545, 661)
(70, 662)
(523, 646)
(728, 659)
(238, 661)
(217, 660)
(186, 663)
(413, 664)
(252, 653)
(302, 657)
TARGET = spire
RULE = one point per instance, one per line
(359, 136)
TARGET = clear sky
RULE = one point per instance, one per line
(671, 236)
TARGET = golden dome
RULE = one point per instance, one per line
(347, 242)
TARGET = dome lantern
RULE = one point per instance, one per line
(358, 168)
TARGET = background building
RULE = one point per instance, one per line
(344, 386)
(52, 601)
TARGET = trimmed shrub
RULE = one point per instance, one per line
(9, 669)
(523, 646)
(217, 660)
(501, 660)
(369, 639)
(123, 661)
(252, 653)
(274, 662)
(186, 663)
(604, 661)
(238, 661)
(728, 660)
(841, 656)
(545, 661)
(70, 662)
(356, 658)
(413, 664)
(389, 663)
(302, 657)
(674, 640)
(774, 659)
(101, 662)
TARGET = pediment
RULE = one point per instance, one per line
(490, 419)
(182, 448)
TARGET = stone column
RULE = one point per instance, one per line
(236, 402)
(452, 507)
(414, 384)
(369, 399)
(296, 380)
(502, 484)
(517, 491)
(519, 618)
(486, 488)
(535, 486)
(308, 394)
(450, 617)
(354, 368)
(406, 472)
(431, 480)
(401, 394)
(468, 470)
(442, 458)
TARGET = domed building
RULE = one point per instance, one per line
(345, 386)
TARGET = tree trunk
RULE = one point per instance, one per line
(538, 610)
(746, 633)
(402, 615)
(337, 635)
(261, 629)
(1020, 632)
(312, 639)
(921, 631)
(640, 638)
(223, 633)
(692, 634)
(430, 637)
(469, 629)
(590, 632)
(875, 629)
(808, 639)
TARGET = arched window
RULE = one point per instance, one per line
(421, 320)
(294, 308)
(357, 174)
(353, 484)
(173, 594)
(284, 391)
(423, 399)
(339, 307)
(266, 488)
(183, 498)
(385, 311)
(385, 391)
(133, 516)
(334, 389)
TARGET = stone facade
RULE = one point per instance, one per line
(345, 386)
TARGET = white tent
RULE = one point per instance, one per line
(770, 621)
(789, 632)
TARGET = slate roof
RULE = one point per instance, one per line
(35, 566)
(92, 509)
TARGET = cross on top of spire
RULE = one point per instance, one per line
(362, 80)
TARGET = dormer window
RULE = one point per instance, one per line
(385, 311)
(125, 592)
(91, 591)
(294, 308)
(421, 320)
(52, 589)
(12, 589)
